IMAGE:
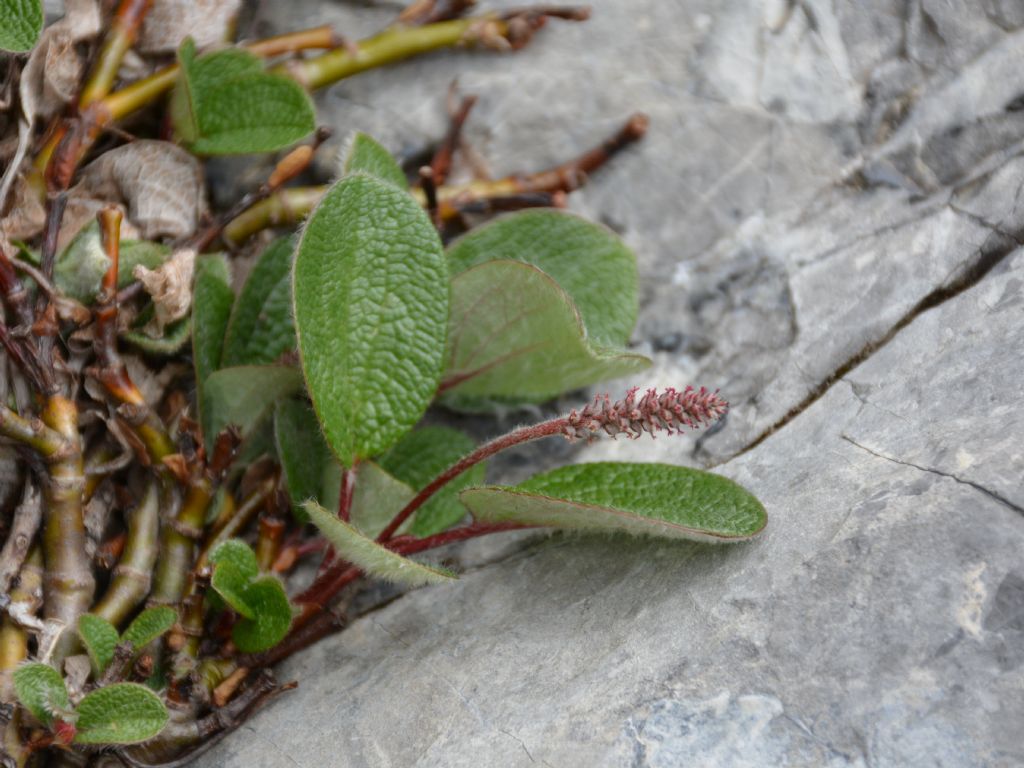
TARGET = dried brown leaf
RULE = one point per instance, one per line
(160, 183)
(170, 21)
(170, 287)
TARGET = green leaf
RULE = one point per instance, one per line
(587, 260)
(243, 396)
(362, 154)
(271, 620)
(212, 299)
(235, 568)
(376, 499)
(176, 335)
(149, 625)
(652, 499)
(81, 266)
(370, 556)
(225, 104)
(41, 691)
(99, 637)
(514, 334)
(21, 21)
(418, 458)
(303, 452)
(370, 294)
(261, 327)
(122, 713)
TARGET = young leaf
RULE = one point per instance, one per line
(176, 335)
(370, 556)
(514, 334)
(272, 616)
(100, 638)
(363, 154)
(41, 690)
(418, 458)
(149, 625)
(370, 293)
(261, 326)
(212, 299)
(243, 396)
(587, 260)
(225, 104)
(122, 713)
(652, 499)
(302, 450)
(235, 568)
(377, 498)
(80, 267)
(21, 21)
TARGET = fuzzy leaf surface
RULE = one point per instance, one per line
(122, 713)
(175, 336)
(418, 458)
(243, 396)
(363, 154)
(41, 690)
(302, 450)
(370, 293)
(234, 570)
(589, 262)
(212, 299)
(261, 327)
(271, 620)
(377, 498)
(370, 556)
(514, 334)
(643, 499)
(21, 21)
(99, 637)
(149, 625)
(225, 104)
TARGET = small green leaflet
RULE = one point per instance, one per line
(261, 327)
(225, 104)
(647, 499)
(21, 21)
(175, 336)
(362, 154)
(122, 713)
(99, 637)
(515, 335)
(243, 396)
(212, 299)
(41, 691)
(370, 294)
(235, 567)
(149, 625)
(266, 614)
(370, 556)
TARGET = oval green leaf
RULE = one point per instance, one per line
(304, 454)
(122, 713)
(149, 625)
(363, 154)
(41, 690)
(234, 570)
(515, 335)
(370, 556)
(244, 396)
(370, 294)
(261, 327)
(588, 261)
(272, 616)
(643, 499)
(21, 21)
(212, 299)
(99, 637)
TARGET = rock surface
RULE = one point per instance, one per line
(827, 213)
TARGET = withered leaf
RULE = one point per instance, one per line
(170, 21)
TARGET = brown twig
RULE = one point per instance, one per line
(19, 538)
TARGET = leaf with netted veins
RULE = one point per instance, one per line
(261, 327)
(362, 154)
(370, 294)
(418, 458)
(21, 21)
(514, 335)
(99, 637)
(122, 713)
(644, 499)
(149, 625)
(271, 619)
(243, 396)
(370, 556)
(41, 690)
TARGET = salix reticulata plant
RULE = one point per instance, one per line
(180, 447)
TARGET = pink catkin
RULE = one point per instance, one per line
(671, 412)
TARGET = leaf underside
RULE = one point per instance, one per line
(644, 499)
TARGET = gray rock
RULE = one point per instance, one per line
(827, 213)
